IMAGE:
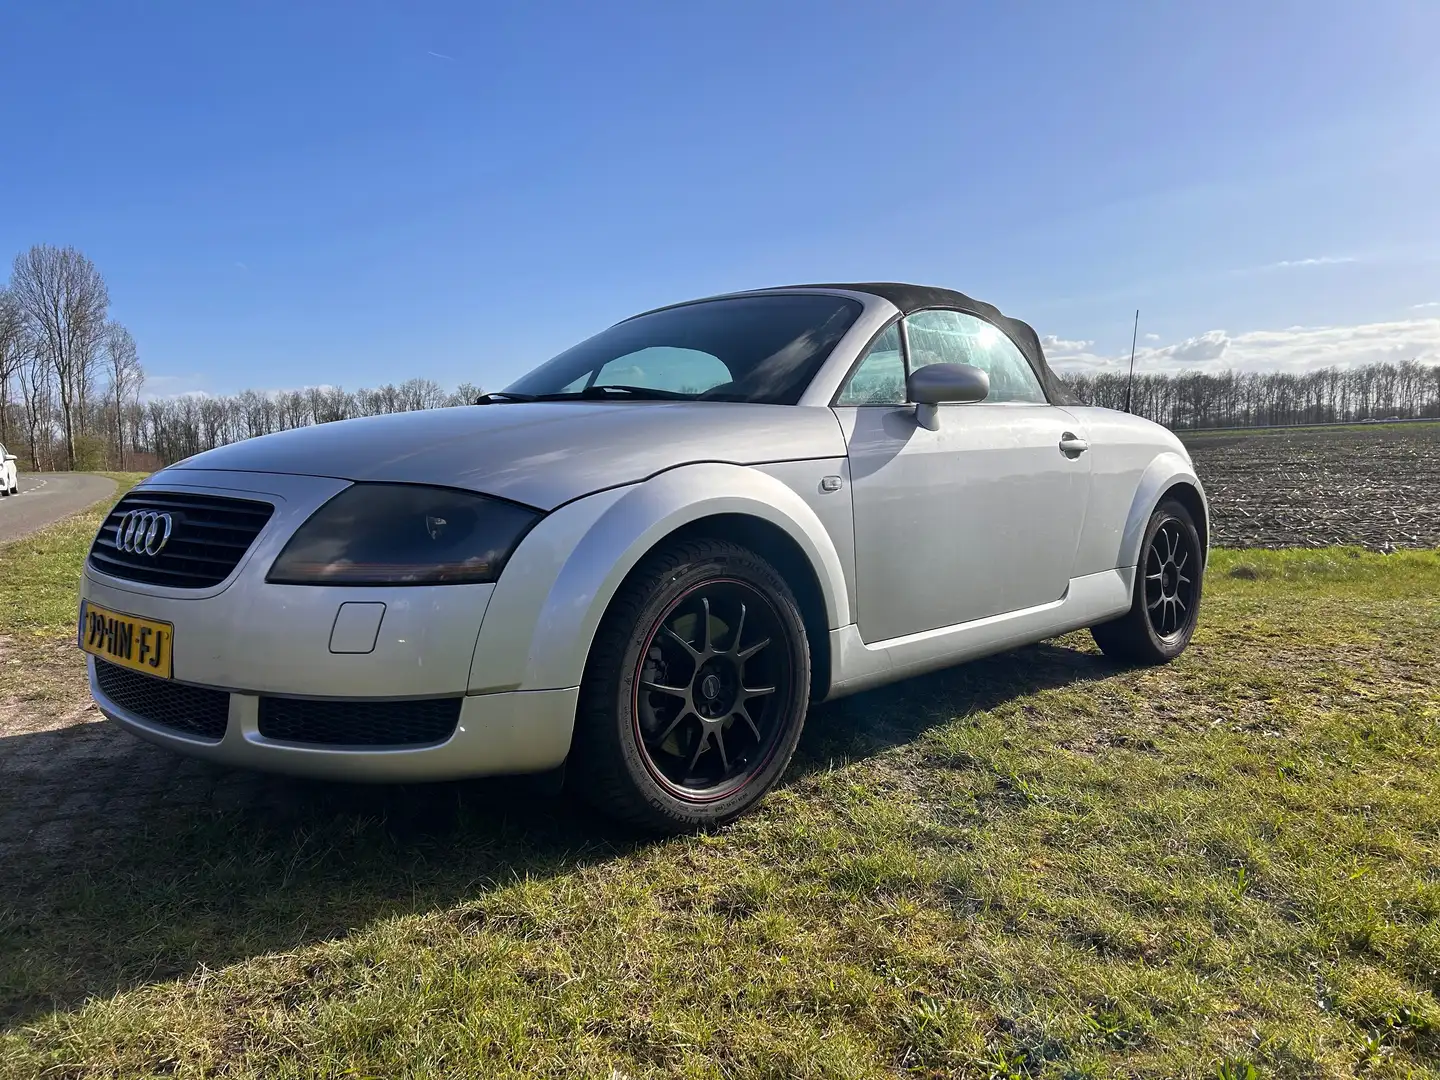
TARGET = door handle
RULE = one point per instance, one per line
(1071, 445)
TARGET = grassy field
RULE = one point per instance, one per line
(1039, 865)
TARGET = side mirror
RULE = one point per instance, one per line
(11, 457)
(934, 384)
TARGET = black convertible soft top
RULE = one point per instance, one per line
(911, 298)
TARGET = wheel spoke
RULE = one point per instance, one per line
(699, 747)
(720, 745)
(681, 715)
(1184, 557)
(747, 692)
(705, 637)
(657, 688)
(694, 652)
(1182, 579)
(1155, 577)
(745, 715)
(739, 630)
(746, 654)
(1155, 603)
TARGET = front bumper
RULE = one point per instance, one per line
(249, 639)
(519, 732)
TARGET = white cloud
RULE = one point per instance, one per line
(1421, 307)
(1056, 344)
(1295, 264)
(1296, 348)
(1201, 349)
(1152, 337)
(172, 386)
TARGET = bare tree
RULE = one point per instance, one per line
(64, 300)
(122, 364)
(12, 347)
(35, 391)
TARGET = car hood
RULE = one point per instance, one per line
(542, 454)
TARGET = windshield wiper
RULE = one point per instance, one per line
(591, 393)
(605, 389)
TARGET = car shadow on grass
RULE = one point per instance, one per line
(856, 727)
(122, 864)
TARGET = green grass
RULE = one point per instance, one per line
(1038, 865)
(42, 593)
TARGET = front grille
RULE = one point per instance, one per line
(359, 723)
(208, 538)
(189, 709)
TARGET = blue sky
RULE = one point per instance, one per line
(286, 194)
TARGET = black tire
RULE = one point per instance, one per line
(628, 758)
(1166, 605)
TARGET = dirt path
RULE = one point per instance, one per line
(47, 497)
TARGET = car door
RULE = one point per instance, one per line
(975, 519)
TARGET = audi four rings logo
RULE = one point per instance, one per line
(144, 532)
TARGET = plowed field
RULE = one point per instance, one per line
(1375, 485)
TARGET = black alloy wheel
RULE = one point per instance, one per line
(696, 689)
(1165, 607)
(1172, 580)
(710, 688)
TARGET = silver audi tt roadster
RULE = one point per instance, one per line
(647, 558)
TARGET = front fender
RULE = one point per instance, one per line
(545, 609)
(1164, 472)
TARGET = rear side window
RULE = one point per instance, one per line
(954, 337)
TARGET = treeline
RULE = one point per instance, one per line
(70, 382)
(164, 430)
(1192, 399)
(175, 428)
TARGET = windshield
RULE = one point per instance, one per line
(750, 348)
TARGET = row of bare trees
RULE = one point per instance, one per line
(175, 428)
(69, 374)
(168, 429)
(1192, 399)
(70, 380)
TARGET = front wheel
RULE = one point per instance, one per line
(1166, 605)
(695, 691)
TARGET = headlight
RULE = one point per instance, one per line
(403, 534)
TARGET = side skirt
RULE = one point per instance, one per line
(1088, 600)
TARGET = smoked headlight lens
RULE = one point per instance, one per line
(403, 534)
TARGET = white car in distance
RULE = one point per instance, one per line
(9, 473)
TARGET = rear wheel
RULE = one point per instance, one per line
(695, 691)
(1166, 605)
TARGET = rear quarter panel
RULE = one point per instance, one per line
(1133, 462)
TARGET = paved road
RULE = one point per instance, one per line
(47, 497)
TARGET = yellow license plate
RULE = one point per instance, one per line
(127, 640)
